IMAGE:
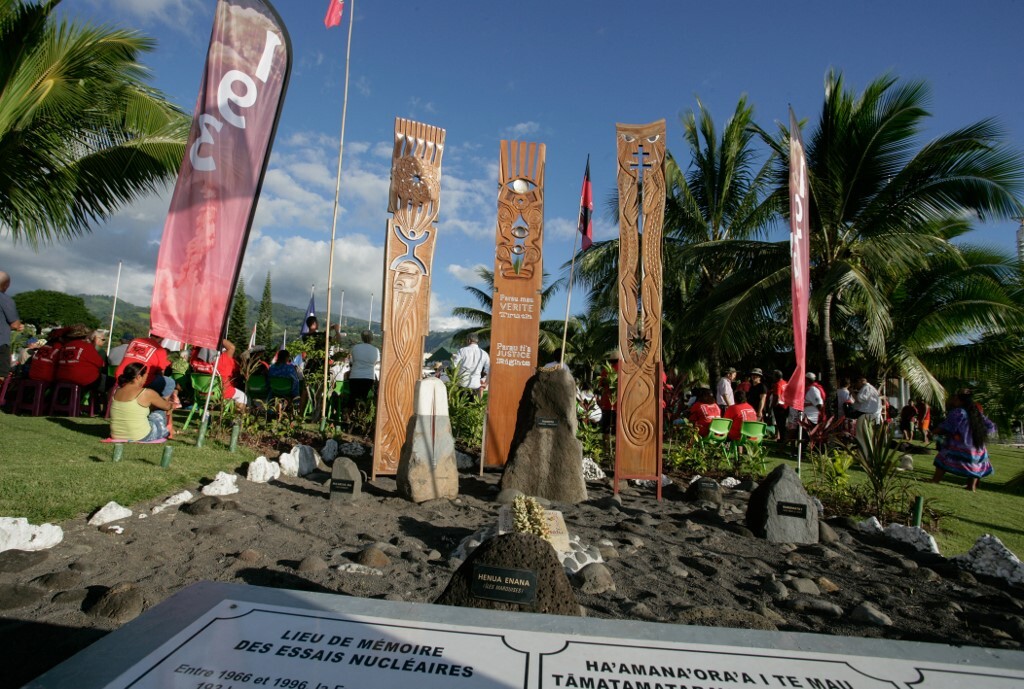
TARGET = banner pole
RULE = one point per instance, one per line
(203, 420)
(113, 308)
(369, 318)
(334, 220)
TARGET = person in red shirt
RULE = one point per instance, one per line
(78, 361)
(43, 365)
(739, 412)
(703, 410)
(150, 353)
(202, 360)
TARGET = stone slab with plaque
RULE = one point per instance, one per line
(248, 637)
(504, 584)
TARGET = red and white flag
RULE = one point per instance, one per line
(799, 247)
(207, 227)
(586, 222)
(334, 10)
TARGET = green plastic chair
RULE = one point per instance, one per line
(751, 435)
(718, 431)
(201, 389)
(280, 387)
(257, 386)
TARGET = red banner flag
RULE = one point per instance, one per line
(334, 10)
(586, 224)
(799, 247)
(207, 227)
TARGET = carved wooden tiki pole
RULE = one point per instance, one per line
(641, 181)
(414, 201)
(518, 273)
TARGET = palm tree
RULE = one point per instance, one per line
(81, 133)
(590, 339)
(879, 199)
(722, 196)
(550, 331)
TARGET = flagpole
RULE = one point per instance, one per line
(369, 318)
(568, 300)
(572, 264)
(334, 220)
(113, 308)
(341, 310)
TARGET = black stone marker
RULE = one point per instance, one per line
(346, 482)
(504, 584)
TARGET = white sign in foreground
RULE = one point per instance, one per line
(250, 644)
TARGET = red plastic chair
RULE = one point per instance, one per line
(31, 397)
(68, 400)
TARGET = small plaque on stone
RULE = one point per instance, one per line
(545, 422)
(708, 484)
(791, 509)
(346, 482)
(504, 584)
(343, 485)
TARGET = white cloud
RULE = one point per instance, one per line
(296, 262)
(522, 129)
(441, 317)
(467, 275)
(174, 13)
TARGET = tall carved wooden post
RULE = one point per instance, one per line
(641, 181)
(518, 274)
(414, 201)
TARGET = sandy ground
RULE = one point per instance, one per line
(671, 561)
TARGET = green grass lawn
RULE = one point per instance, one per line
(55, 468)
(993, 509)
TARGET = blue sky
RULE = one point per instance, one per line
(556, 71)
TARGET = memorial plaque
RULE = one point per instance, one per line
(504, 584)
(641, 185)
(791, 509)
(340, 485)
(414, 201)
(246, 637)
(708, 483)
(546, 423)
(518, 278)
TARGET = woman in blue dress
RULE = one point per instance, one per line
(962, 448)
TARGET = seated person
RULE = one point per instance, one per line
(703, 410)
(132, 415)
(739, 412)
(43, 364)
(202, 361)
(117, 353)
(284, 368)
(149, 352)
(78, 361)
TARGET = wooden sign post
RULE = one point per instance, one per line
(641, 181)
(414, 201)
(518, 274)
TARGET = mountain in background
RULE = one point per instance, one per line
(135, 320)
